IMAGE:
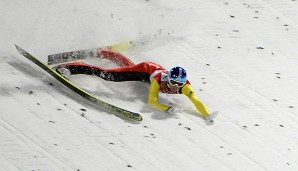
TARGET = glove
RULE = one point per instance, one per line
(211, 116)
(173, 110)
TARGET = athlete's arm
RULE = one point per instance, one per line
(200, 105)
(153, 96)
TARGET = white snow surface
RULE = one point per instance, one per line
(241, 57)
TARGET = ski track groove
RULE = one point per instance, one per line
(24, 138)
(240, 152)
(12, 166)
(192, 156)
(10, 163)
(183, 133)
(288, 19)
(86, 118)
(250, 159)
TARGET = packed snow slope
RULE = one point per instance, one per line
(241, 57)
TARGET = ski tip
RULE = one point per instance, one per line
(18, 47)
(20, 50)
(136, 117)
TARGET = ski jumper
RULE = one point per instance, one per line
(146, 71)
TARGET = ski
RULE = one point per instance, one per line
(104, 105)
(95, 52)
(86, 53)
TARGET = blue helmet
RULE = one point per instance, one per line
(177, 74)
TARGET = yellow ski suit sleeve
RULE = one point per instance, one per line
(186, 90)
(200, 105)
(153, 96)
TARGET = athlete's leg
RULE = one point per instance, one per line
(147, 67)
(114, 56)
(79, 68)
(118, 74)
(139, 72)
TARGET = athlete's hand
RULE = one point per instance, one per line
(174, 110)
(211, 116)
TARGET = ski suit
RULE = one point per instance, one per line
(150, 72)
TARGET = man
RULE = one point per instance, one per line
(173, 81)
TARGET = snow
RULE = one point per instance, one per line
(240, 55)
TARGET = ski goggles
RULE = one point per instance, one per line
(177, 83)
